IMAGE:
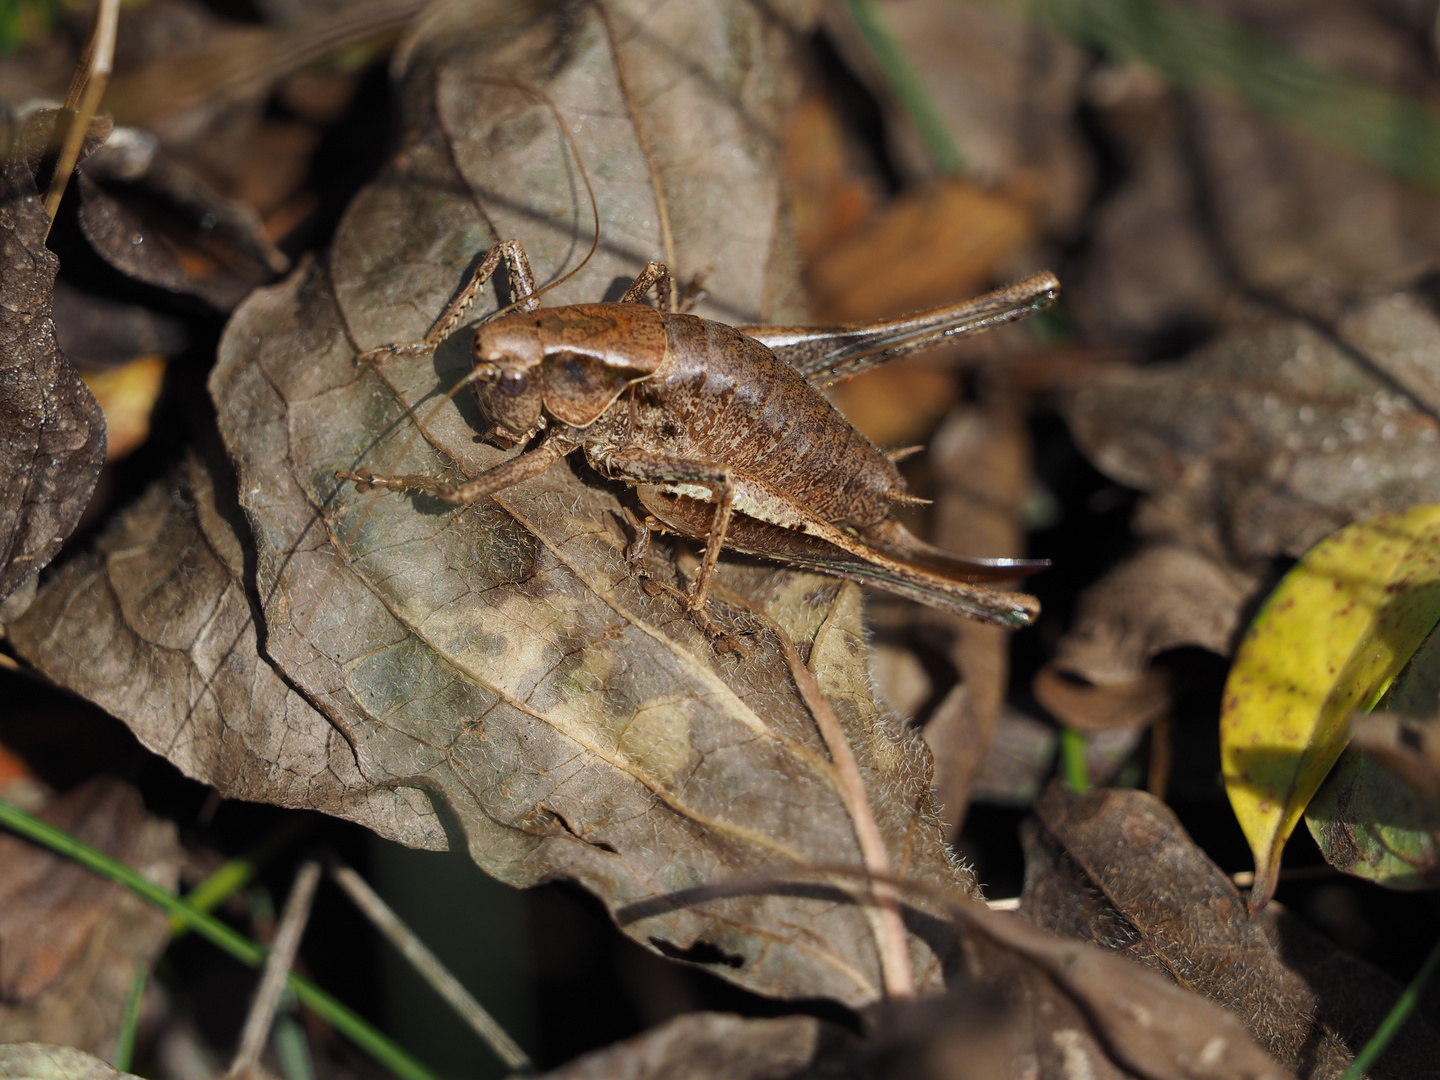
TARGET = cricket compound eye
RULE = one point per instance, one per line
(513, 383)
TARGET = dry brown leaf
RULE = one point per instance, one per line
(155, 626)
(1304, 223)
(502, 658)
(1003, 1018)
(1212, 201)
(1017, 762)
(52, 433)
(96, 332)
(831, 190)
(1148, 264)
(1273, 436)
(41, 1061)
(1114, 867)
(980, 459)
(127, 395)
(1163, 597)
(1135, 1021)
(1353, 997)
(1400, 335)
(153, 221)
(711, 1046)
(70, 941)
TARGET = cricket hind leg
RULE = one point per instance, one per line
(522, 280)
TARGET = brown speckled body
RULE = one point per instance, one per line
(721, 438)
(721, 397)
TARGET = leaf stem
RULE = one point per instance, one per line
(887, 921)
(277, 966)
(338, 1015)
(1395, 1019)
(408, 943)
(904, 79)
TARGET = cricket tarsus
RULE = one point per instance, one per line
(725, 441)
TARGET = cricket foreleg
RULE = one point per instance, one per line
(656, 275)
(505, 475)
(522, 281)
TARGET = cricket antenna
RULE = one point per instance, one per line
(541, 95)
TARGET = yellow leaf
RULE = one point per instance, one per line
(127, 394)
(1328, 641)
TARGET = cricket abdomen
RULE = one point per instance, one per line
(722, 397)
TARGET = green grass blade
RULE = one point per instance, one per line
(908, 86)
(234, 874)
(130, 1021)
(339, 1016)
(1073, 764)
(1200, 52)
(1393, 1021)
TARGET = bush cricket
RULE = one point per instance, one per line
(722, 430)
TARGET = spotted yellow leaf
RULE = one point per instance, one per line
(1328, 641)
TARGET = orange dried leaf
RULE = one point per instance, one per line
(127, 394)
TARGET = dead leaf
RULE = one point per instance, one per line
(1400, 335)
(1258, 444)
(831, 188)
(1006, 90)
(1001, 1018)
(940, 242)
(1116, 1014)
(1114, 867)
(52, 433)
(1305, 223)
(1017, 762)
(1149, 263)
(1163, 597)
(161, 225)
(981, 463)
(96, 332)
(127, 395)
(711, 1046)
(155, 626)
(503, 658)
(1239, 203)
(1352, 997)
(70, 940)
(40, 1061)
(1273, 435)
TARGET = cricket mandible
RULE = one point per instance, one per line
(722, 430)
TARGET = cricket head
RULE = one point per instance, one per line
(509, 378)
(567, 364)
